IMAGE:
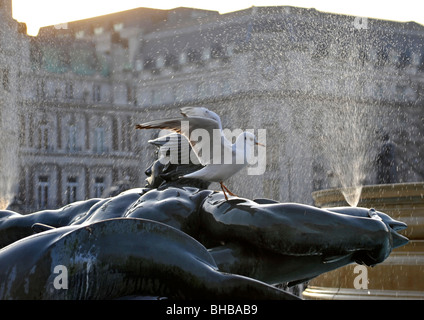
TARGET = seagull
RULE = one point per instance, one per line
(220, 162)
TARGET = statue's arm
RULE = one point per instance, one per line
(294, 229)
(14, 226)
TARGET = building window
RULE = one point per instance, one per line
(79, 34)
(99, 187)
(126, 134)
(5, 80)
(43, 192)
(138, 65)
(321, 51)
(99, 140)
(363, 56)
(380, 93)
(22, 132)
(96, 93)
(217, 51)
(98, 30)
(72, 138)
(194, 55)
(421, 64)
(43, 137)
(405, 59)
(148, 63)
(41, 90)
(115, 137)
(69, 91)
(156, 96)
(171, 60)
(129, 93)
(118, 26)
(71, 189)
(382, 57)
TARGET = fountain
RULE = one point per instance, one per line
(359, 153)
(152, 241)
(349, 143)
(400, 276)
(346, 141)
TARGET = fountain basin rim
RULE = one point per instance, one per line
(380, 192)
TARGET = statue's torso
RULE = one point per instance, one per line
(177, 207)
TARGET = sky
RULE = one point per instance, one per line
(38, 13)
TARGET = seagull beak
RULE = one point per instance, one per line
(260, 144)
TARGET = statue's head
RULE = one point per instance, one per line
(153, 173)
(166, 171)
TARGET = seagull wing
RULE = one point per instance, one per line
(192, 123)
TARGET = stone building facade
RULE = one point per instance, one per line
(322, 88)
(12, 41)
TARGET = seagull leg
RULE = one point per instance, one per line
(223, 190)
(229, 192)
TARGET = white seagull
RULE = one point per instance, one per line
(220, 162)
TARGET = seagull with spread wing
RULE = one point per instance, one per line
(220, 161)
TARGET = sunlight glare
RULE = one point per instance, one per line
(51, 12)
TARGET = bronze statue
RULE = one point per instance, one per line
(152, 242)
